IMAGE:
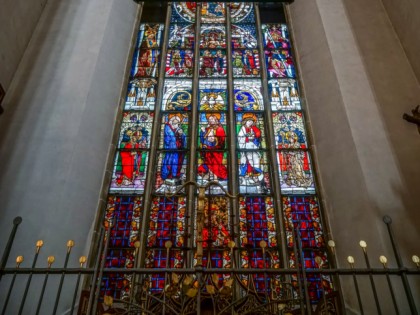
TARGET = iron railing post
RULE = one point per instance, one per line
(8, 248)
(387, 220)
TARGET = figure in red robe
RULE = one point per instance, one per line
(212, 140)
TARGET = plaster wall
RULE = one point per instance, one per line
(56, 132)
(18, 19)
(344, 52)
(405, 18)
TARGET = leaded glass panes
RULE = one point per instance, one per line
(248, 95)
(216, 230)
(233, 144)
(246, 63)
(146, 63)
(244, 36)
(177, 95)
(283, 94)
(181, 36)
(295, 172)
(179, 63)
(242, 12)
(167, 222)
(213, 63)
(141, 94)
(257, 221)
(183, 12)
(135, 130)
(213, 12)
(212, 95)
(289, 130)
(212, 36)
(279, 64)
(150, 35)
(275, 36)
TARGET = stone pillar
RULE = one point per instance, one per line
(56, 132)
(357, 82)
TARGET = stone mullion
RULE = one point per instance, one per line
(192, 160)
(275, 179)
(154, 143)
(233, 161)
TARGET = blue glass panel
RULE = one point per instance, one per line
(248, 95)
(183, 12)
(242, 12)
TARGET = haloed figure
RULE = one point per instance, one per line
(212, 140)
(174, 139)
(249, 137)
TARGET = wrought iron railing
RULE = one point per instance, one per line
(200, 290)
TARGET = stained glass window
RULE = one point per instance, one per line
(223, 114)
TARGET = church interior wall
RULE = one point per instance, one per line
(355, 108)
(405, 19)
(56, 129)
(18, 19)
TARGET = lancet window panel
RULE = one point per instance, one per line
(141, 94)
(145, 63)
(289, 130)
(214, 141)
(213, 36)
(244, 36)
(246, 63)
(150, 35)
(213, 63)
(248, 95)
(212, 95)
(284, 94)
(181, 36)
(179, 63)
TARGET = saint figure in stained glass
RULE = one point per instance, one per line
(249, 138)
(275, 36)
(150, 35)
(147, 63)
(245, 63)
(296, 174)
(279, 64)
(172, 162)
(212, 140)
(213, 36)
(212, 63)
(179, 63)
